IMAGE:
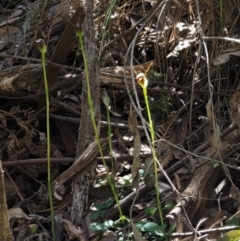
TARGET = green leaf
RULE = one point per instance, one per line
(171, 228)
(121, 222)
(137, 235)
(233, 235)
(168, 206)
(125, 180)
(34, 230)
(151, 227)
(156, 74)
(94, 216)
(105, 98)
(104, 205)
(233, 222)
(102, 226)
(154, 228)
(140, 224)
(150, 210)
(124, 235)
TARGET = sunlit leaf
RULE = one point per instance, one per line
(151, 227)
(209, 109)
(233, 235)
(102, 226)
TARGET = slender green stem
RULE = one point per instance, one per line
(153, 152)
(113, 185)
(42, 48)
(90, 103)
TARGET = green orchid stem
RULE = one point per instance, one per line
(90, 103)
(43, 51)
(122, 217)
(153, 153)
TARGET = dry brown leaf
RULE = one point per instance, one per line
(73, 232)
(215, 138)
(148, 179)
(132, 122)
(136, 233)
(148, 165)
(209, 110)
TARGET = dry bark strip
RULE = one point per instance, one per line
(192, 203)
(84, 160)
(5, 234)
(195, 196)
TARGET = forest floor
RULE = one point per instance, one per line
(190, 57)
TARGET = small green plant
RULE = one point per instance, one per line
(125, 181)
(143, 82)
(102, 226)
(151, 228)
(43, 49)
(233, 235)
(151, 210)
(100, 209)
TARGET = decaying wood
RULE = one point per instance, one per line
(17, 80)
(115, 75)
(197, 193)
(194, 198)
(84, 161)
(23, 81)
